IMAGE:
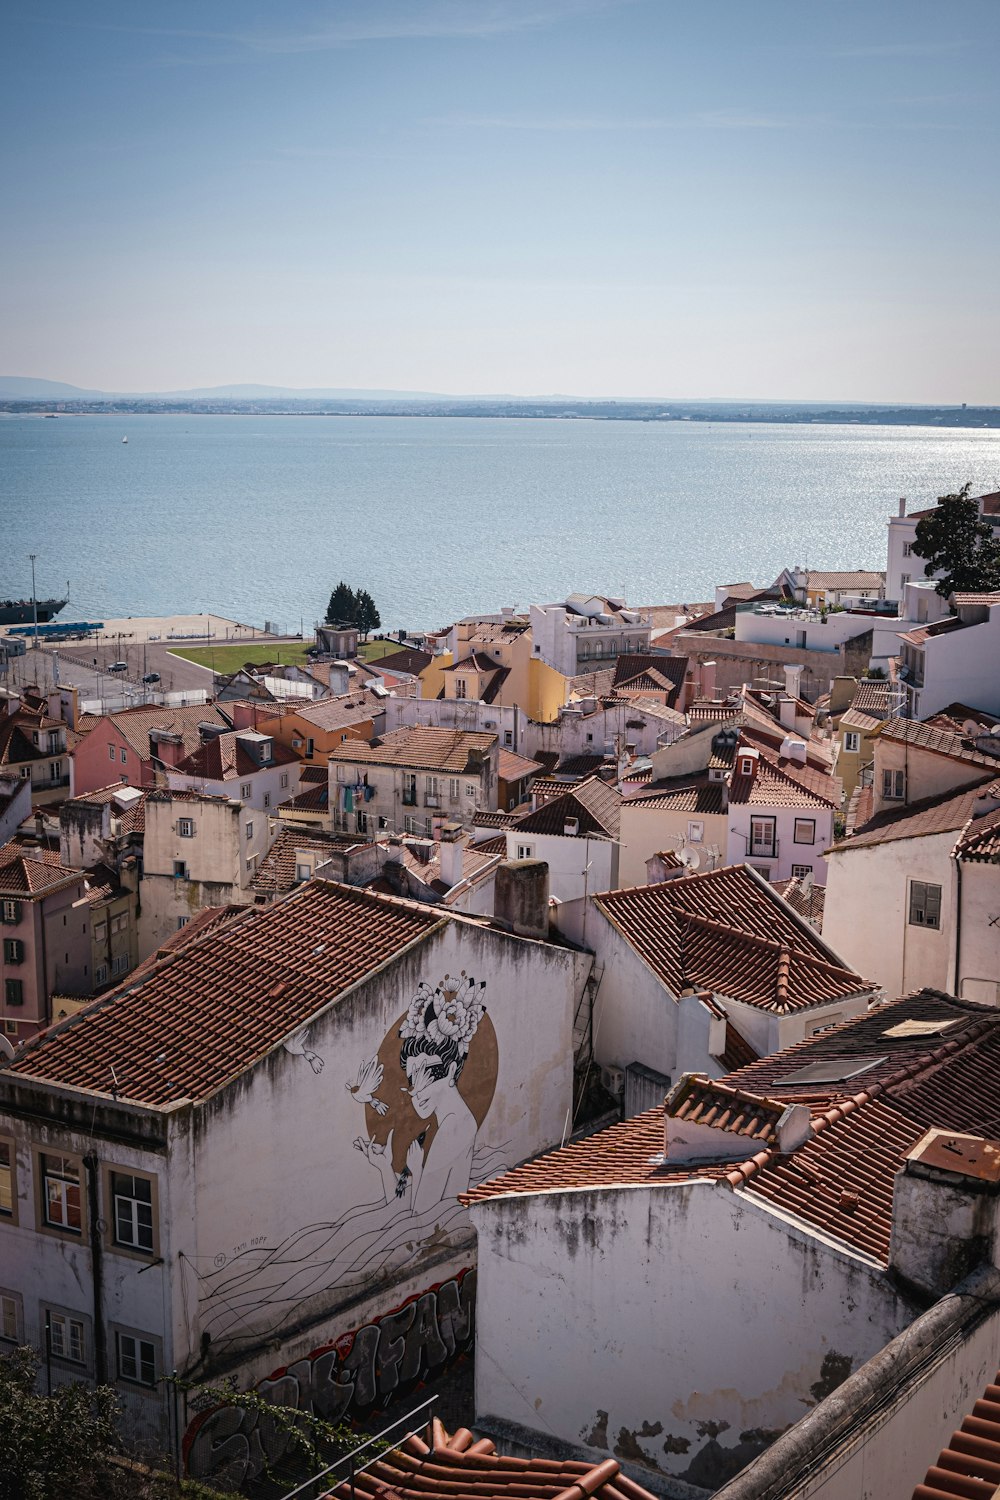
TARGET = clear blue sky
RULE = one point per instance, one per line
(759, 198)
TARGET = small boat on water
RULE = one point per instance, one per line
(124, 439)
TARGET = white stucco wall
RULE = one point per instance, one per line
(875, 879)
(979, 977)
(649, 830)
(681, 1327)
(635, 1017)
(961, 667)
(789, 853)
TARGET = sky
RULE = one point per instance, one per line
(759, 199)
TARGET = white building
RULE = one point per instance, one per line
(257, 1149)
(681, 1287)
(576, 834)
(586, 630)
(903, 564)
(705, 973)
(254, 767)
(955, 659)
(198, 851)
(410, 780)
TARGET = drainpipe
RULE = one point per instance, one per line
(957, 982)
(96, 1267)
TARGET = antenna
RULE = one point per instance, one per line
(690, 858)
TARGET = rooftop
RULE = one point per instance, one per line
(135, 724)
(595, 804)
(939, 741)
(681, 794)
(463, 1468)
(277, 872)
(25, 873)
(226, 758)
(217, 1007)
(341, 712)
(873, 1086)
(945, 813)
(728, 932)
(421, 748)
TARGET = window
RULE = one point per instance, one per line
(804, 831)
(180, 870)
(284, 774)
(461, 689)
(361, 822)
(120, 923)
(525, 851)
(249, 832)
(124, 757)
(925, 904)
(801, 871)
(13, 951)
(132, 1202)
(894, 785)
(414, 825)
(13, 991)
(907, 549)
(246, 790)
(119, 965)
(409, 789)
(852, 741)
(696, 832)
(101, 974)
(10, 912)
(11, 1318)
(762, 842)
(454, 789)
(267, 799)
(185, 828)
(302, 872)
(508, 737)
(470, 789)
(182, 922)
(67, 1337)
(136, 1359)
(61, 1199)
(310, 747)
(111, 752)
(100, 931)
(746, 767)
(7, 1193)
(904, 579)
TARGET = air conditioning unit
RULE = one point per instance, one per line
(613, 1078)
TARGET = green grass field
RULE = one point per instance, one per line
(229, 658)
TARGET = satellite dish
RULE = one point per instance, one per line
(6, 1049)
(972, 729)
(690, 858)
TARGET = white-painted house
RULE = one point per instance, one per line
(586, 630)
(252, 1156)
(679, 1288)
(576, 834)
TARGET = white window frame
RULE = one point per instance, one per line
(924, 905)
(11, 1317)
(185, 828)
(852, 741)
(801, 871)
(68, 1335)
(134, 1353)
(525, 851)
(696, 831)
(56, 1186)
(101, 974)
(246, 789)
(894, 785)
(133, 1219)
(768, 844)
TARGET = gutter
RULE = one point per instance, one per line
(91, 1166)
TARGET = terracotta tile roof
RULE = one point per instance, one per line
(784, 783)
(515, 767)
(408, 660)
(860, 579)
(938, 741)
(477, 661)
(705, 1101)
(224, 758)
(924, 633)
(343, 711)
(483, 818)
(643, 709)
(855, 719)
(727, 932)
(945, 813)
(544, 788)
(31, 874)
(969, 1467)
(596, 684)
(697, 796)
(595, 804)
(977, 599)
(421, 748)
(708, 710)
(276, 873)
(134, 725)
(16, 729)
(807, 899)
(496, 845)
(240, 991)
(980, 840)
(875, 697)
(462, 1468)
(927, 1060)
(208, 918)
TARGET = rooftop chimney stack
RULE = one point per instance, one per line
(945, 1210)
(451, 853)
(902, 505)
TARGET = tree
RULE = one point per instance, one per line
(342, 607)
(956, 541)
(366, 616)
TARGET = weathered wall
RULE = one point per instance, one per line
(649, 830)
(979, 959)
(892, 952)
(682, 1328)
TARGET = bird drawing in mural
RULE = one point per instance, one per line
(298, 1046)
(368, 1080)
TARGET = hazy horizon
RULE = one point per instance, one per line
(467, 197)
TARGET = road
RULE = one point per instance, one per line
(84, 664)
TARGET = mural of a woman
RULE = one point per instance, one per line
(435, 1038)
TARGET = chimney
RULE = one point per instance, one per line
(571, 827)
(521, 897)
(945, 1206)
(987, 801)
(842, 690)
(902, 505)
(786, 712)
(793, 680)
(451, 853)
(793, 749)
(166, 746)
(706, 679)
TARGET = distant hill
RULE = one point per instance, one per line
(27, 388)
(24, 388)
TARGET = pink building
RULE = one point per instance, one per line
(45, 941)
(133, 745)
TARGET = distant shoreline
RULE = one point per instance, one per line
(735, 413)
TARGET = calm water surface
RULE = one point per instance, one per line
(257, 518)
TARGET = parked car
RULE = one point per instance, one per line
(118, 666)
(151, 677)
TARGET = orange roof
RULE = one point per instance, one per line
(969, 1466)
(222, 1003)
(945, 813)
(727, 932)
(28, 874)
(462, 1468)
(420, 748)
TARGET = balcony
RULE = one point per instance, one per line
(432, 800)
(409, 799)
(764, 848)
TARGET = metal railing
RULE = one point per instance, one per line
(306, 1490)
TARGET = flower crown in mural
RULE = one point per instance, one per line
(451, 1013)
